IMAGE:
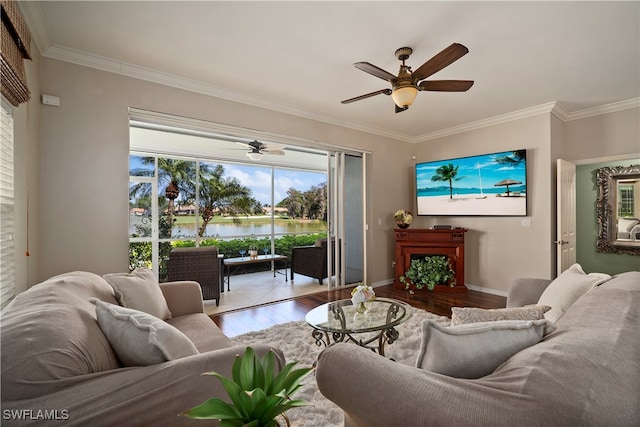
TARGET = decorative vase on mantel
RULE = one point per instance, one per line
(403, 218)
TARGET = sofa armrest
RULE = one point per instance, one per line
(375, 391)
(183, 297)
(524, 291)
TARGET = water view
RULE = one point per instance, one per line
(186, 227)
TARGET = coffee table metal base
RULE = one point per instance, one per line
(339, 322)
(386, 336)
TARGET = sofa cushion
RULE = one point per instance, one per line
(139, 338)
(477, 349)
(202, 331)
(139, 290)
(567, 288)
(49, 332)
(466, 315)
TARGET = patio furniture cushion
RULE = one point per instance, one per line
(199, 264)
(139, 290)
(140, 339)
(477, 349)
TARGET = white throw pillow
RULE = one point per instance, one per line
(567, 288)
(466, 315)
(139, 290)
(475, 350)
(626, 224)
(140, 339)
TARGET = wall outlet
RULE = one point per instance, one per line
(526, 222)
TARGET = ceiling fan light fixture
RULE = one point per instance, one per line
(253, 155)
(404, 96)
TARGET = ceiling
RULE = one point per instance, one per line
(297, 56)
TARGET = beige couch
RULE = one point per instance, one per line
(58, 366)
(585, 373)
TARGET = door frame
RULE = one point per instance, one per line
(565, 215)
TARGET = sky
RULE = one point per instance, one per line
(490, 171)
(258, 179)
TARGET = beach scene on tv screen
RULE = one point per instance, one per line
(489, 184)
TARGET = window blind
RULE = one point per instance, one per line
(7, 246)
(15, 44)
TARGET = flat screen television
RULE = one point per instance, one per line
(487, 185)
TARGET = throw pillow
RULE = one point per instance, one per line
(567, 288)
(140, 339)
(476, 349)
(626, 224)
(466, 315)
(139, 290)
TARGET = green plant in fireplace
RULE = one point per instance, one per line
(429, 271)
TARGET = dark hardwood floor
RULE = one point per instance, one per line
(251, 319)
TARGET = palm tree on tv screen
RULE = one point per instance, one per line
(447, 173)
(514, 159)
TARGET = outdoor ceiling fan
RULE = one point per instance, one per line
(257, 149)
(405, 86)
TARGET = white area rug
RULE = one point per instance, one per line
(294, 339)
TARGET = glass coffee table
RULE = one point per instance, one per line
(338, 321)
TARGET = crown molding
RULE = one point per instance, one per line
(491, 121)
(34, 17)
(142, 73)
(32, 14)
(604, 109)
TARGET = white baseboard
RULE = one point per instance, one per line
(471, 287)
(382, 283)
(487, 290)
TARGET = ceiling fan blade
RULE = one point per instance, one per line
(272, 146)
(368, 95)
(446, 85)
(400, 109)
(276, 152)
(446, 57)
(374, 71)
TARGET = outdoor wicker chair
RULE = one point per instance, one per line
(311, 260)
(198, 264)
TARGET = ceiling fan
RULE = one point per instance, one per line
(405, 86)
(257, 149)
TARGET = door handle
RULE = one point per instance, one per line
(561, 242)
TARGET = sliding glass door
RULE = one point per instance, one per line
(197, 183)
(347, 218)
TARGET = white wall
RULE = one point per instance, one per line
(498, 249)
(27, 171)
(83, 201)
(84, 171)
(603, 136)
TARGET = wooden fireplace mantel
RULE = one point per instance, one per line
(420, 241)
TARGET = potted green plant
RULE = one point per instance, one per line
(258, 395)
(431, 271)
(252, 243)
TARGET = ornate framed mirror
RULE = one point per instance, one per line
(618, 209)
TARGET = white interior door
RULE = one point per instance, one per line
(566, 215)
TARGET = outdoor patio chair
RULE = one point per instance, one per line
(198, 264)
(311, 260)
